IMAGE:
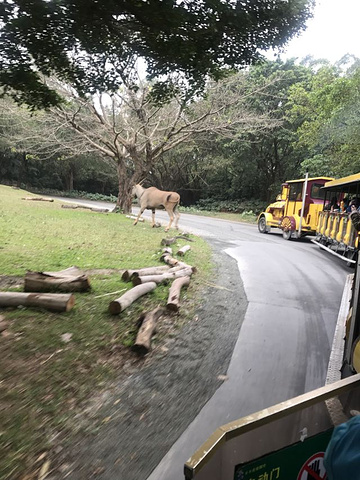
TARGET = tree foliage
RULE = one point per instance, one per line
(251, 163)
(327, 109)
(95, 45)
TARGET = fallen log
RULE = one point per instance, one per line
(173, 303)
(128, 274)
(55, 302)
(142, 343)
(167, 250)
(181, 252)
(169, 241)
(133, 217)
(165, 257)
(100, 210)
(118, 305)
(139, 280)
(38, 199)
(164, 278)
(73, 207)
(69, 280)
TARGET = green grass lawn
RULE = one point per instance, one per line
(44, 380)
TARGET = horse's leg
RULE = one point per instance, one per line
(139, 215)
(153, 217)
(171, 215)
(177, 216)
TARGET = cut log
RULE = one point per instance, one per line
(169, 260)
(128, 274)
(69, 280)
(100, 210)
(167, 250)
(183, 250)
(139, 280)
(164, 278)
(55, 302)
(118, 305)
(133, 217)
(142, 343)
(173, 302)
(168, 241)
(38, 199)
(179, 266)
(73, 207)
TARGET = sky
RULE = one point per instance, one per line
(333, 31)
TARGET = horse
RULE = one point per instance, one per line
(152, 198)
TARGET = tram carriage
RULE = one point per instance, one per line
(335, 232)
(304, 207)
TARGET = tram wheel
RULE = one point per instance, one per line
(262, 227)
(287, 234)
(288, 226)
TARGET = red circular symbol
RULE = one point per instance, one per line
(313, 468)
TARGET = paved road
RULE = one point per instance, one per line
(294, 291)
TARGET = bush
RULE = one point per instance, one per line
(252, 206)
(76, 194)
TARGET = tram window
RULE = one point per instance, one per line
(317, 192)
(296, 191)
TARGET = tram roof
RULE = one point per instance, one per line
(310, 179)
(350, 180)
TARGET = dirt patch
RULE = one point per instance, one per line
(9, 281)
(125, 431)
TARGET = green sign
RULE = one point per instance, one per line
(301, 461)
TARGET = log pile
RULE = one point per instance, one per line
(145, 280)
(36, 284)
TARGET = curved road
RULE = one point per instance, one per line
(294, 291)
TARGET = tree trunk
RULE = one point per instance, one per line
(118, 305)
(55, 302)
(124, 199)
(71, 179)
(142, 343)
(173, 302)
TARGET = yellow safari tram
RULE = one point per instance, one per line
(296, 210)
(321, 207)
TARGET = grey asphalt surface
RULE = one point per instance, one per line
(293, 291)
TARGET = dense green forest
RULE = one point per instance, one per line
(300, 117)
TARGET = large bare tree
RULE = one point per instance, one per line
(128, 128)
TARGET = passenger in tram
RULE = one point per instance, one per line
(354, 204)
(342, 456)
(344, 205)
(355, 219)
(334, 206)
